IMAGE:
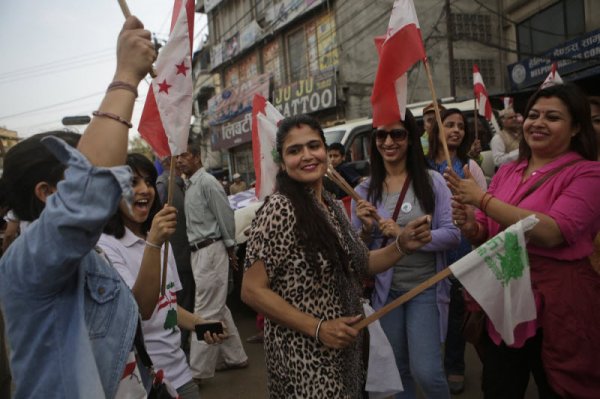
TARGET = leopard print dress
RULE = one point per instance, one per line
(298, 366)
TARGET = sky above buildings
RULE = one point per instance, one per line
(58, 57)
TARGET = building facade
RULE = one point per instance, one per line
(318, 57)
(540, 33)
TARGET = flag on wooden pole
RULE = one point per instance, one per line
(398, 50)
(165, 121)
(481, 95)
(497, 276)
(553, 77)
(265, 119)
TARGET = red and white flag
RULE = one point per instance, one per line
(165, 121)
(265, 119)
(484, 108)
(553, 78)
(507, 102)
(398, 50)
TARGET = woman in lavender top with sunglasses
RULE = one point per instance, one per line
(416, 328)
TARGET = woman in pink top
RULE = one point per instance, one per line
(562, 347)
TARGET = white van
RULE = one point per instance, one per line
(355, 134)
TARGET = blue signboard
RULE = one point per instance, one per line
(571, 56)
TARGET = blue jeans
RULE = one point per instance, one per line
(414, 333)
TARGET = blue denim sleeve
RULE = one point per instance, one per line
(48, 253)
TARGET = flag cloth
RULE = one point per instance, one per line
(553, 77)
(383, 377)
(398, 50)
(482, 99)
(265, 119)
(497, 276)
(507, 102)
(165, 121)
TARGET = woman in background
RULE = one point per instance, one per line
(458, 139)
(416, 328)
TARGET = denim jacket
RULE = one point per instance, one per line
(70, 319)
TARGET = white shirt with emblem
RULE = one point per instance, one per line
(161, 333)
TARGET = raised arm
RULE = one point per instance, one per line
(104, 142)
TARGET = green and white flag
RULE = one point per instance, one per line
(496, 275)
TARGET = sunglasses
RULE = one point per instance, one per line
(395, 134)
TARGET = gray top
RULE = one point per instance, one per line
(413, 269)
(207, 210)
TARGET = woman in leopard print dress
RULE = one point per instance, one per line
(304, 264)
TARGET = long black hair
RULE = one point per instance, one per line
(142, 166)
(584, 142)
(435, 144)
(27, 164)
(416, 167)
(314, 233)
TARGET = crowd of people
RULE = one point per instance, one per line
(80, 287)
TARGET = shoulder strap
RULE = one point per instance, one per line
(545, 178)
(140, 347)
(398, 205)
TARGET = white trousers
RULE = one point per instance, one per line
(210, 266)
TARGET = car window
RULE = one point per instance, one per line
(334, 136)
(359, 147)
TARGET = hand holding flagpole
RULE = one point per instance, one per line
(127, 14)
(438, 116)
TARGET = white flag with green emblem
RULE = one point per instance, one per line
(496, 275)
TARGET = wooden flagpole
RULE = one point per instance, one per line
(476, 115)
(403, 299)
(163, 285)
(127, 14)
(438, 116)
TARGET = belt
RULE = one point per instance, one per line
(203, 244)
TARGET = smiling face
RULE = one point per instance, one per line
(143, 198)
(393, 151)
(454, 128)
(304, 155)
(548, 128)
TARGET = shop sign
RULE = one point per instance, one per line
(236, 100)
(571, 56)
(305, 96)
(232, 133)
(286, 11)
(249, 34)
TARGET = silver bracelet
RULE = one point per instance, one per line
(319, 328)
(403, 252)
(152, 245)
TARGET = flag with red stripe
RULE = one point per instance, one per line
(165, 121)
(265, 119)
(482, 99)
(553, 77)
(398, 50)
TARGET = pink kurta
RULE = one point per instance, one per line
(567, 290)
